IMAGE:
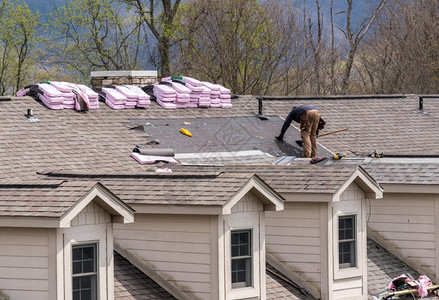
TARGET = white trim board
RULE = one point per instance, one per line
(133, 73)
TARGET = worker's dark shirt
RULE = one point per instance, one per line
(299, 110)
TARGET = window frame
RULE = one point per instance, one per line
(341, 272)
(352, 243)
(247, 258)
(95, 273)
(98, 233)
(241, 221)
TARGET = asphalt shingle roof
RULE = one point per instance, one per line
(132, 284)
(383, 267)
(389, 125)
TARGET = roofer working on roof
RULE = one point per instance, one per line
(310, 123)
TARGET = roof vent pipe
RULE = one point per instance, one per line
(421, 104)
(30, 116)
(260, 113)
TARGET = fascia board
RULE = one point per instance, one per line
(33, 222)
(177, 209)
(271, 198)
(410, 188)
(106, 200)
(307, 197)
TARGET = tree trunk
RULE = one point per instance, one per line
(163, 47)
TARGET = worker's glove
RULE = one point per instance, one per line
(321, 125)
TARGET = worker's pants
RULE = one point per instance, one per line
(309, 122)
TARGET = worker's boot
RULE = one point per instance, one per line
(280, 138)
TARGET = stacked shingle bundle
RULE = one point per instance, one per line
(131, 96)
(225, 97)
(50, 96)
(113, 98)
(196, 88)
(201, 93)
(124, 96)
(214, 94)
(183, 93)
(166, 96)
(67, 94)
(93, 97)
(143, 99)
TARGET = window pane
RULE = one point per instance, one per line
(88, 266)
(243, 238)
(86, 294)
(244, 250)
(88, 253)
(76, 254)
(235, 251)
(76, 295)
(234, 239)
(76, 283)
(77, 267)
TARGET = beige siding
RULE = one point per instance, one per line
(349, 288)
(176, 246)
(407, 222)
(24, 263)
(248, 203)
(293, 237)
(92, 214)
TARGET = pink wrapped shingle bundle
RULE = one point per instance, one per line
(67, 94)
(225, 97)
(214, 93)
(131, 96)
(22, 92)
(192, 81)
(114, 99)
(51, 97)
(165, 94)
(169, 105)
(204, 101)
(194, 89)
(183, 93)
(143, 99)
(93, 97)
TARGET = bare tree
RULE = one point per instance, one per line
(316, 47)
(354, 38)
(241, 44)
(160, 21)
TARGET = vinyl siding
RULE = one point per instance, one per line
(293, 237)
(408, 223)
(24, 263)
(92, 214)
(178, 247)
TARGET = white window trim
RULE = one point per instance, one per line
(89, 234)
(242, 221)
(340, 273)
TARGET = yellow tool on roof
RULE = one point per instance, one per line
(186, 132)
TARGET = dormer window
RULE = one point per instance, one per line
(347, 240)
(241, 243)
(84, 272)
